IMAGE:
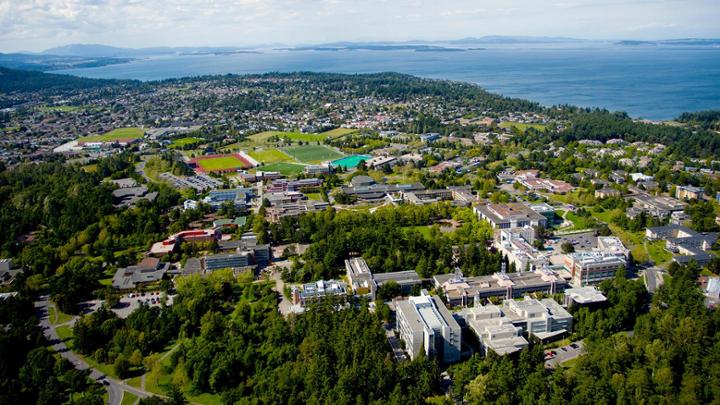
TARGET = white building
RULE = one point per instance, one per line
(495, 331)
(425, 325)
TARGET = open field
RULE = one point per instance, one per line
(522, 127)
(128, 398)
(282, 168)
(183, 142)
(114, 135)
(338, 132)
(312, 153)
(264, 137)
(269, 155)
(218, 163)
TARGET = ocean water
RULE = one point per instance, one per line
(647, 82)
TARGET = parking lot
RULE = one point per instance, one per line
(556, 357)
(581, 241)
(130, 302)
(200, 182)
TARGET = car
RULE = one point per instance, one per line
(574, 346)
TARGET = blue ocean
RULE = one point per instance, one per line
(653, 82)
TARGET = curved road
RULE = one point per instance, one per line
(114, 387)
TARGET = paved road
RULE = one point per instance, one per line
(114, 387)
(564, 354)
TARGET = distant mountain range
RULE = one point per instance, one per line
(94, 55)
(94, 50)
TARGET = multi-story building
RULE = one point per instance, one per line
(589, 268)
(688, 244)
(317, 290)
(226, 261)
(425, 325)
(495, 331)
(512, 215)
(516, 245)
(363, 281)
(544, 318)
(466, 291)
(689, 193)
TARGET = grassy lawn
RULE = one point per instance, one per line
(522, 127)
(65, 333)
(423, 229)
(221, 163)
(314, 196)
(339, 132)
(133, 382)
(183, 142)
(269, 156)
(579, 222)
(605, 216)
(58, 317)
(312, 153)
(264, 137)
(128, 398)
(285, 169)
(570, 363)
(114, 135)
(657, 252)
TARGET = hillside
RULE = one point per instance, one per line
(21, 80)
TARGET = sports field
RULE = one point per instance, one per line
(350, 162)
(283, 168)
(115, 135)
(312, 153)
(269, 156)
(221, 163)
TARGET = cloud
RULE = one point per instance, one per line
(38, 24)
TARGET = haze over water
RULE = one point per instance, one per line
(656, 83)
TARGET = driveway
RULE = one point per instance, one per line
(564, 353)
(114, 387)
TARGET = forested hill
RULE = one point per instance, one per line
(602, 125)
(12, 80)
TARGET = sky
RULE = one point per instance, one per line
(40, 24)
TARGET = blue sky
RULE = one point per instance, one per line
(40, 24)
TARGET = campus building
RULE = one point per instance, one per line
(364, 282)
(317, 290)
(588, 268)
(149, 270)
(426, 326)
(543, 319)
(687, 244)
(512, 215)
(495, 331)
(226, 261)
(689, 193)
(516, 245)
(465, 291)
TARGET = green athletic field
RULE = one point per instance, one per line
(220, 163)
(263, 137)
(312, 153)
(114, 135)
(269, 156)
(285, 169)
